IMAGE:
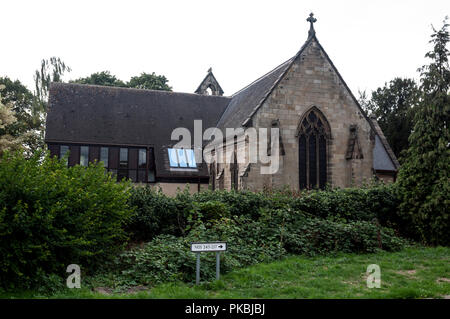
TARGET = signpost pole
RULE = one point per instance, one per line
(197, 277)
(217, 265)
(217, 247)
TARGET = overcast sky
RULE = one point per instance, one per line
(370, 42)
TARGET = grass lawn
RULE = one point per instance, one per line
(412, 273)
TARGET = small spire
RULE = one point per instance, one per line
(311, 20)
(210, 70)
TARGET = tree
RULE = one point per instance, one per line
(149, 82)
(144, 81)
(28, 122)
(7, 118)
(101, 78)
(51, 70)
(393, 105)
(424, 179)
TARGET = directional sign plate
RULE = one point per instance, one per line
(209, 246)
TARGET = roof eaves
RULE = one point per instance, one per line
(260, 78)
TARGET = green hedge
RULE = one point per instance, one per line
(52, 216)
(259, 227)
(273, 235)
(158, 214)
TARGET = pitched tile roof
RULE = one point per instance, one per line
(246, 100)
(382, 148)
(93, 114)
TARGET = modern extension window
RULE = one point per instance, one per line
(142, 158)
(142, 165)
(314, 133)
(182, 158)
(123, 164)
(137, 164)
(84, 155)
(62, 151)
(151, 176)
(104, 152)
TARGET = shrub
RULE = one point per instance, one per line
(52, 216)
(270, 237)
(154, 214)
(165, 258)
(259, 227)
(207, 211)
(350, 204)
(313, 236)
(159, 214)
(242, 202)
(168, 258)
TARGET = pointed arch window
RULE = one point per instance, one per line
(313, 134)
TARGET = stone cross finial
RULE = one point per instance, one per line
(311, 20)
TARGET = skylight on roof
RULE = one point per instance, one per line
(190, 158)
(183, 158)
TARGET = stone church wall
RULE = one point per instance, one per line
(312, 81)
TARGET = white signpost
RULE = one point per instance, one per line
(208, 247)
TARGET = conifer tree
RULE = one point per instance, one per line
(424, 176)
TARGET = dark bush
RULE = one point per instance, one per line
(154, 213)
(259, 227)
(159, 214)
(243, 202)
(52, 216)
(272, 236)
(313, 236)
(350, 204)
(207, 211)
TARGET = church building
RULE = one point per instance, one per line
(325, 138)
